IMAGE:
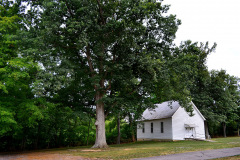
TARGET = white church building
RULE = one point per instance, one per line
(170, 121)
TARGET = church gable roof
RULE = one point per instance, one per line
(163, 110)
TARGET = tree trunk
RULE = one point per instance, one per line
(100, 141)
(118, 127)
(224, 129)
(36, 141)
(23, 145)
(238, 128)
(207, 136)
(131, 128)
(89, 123)
(238, 131)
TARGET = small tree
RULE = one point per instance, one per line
(225, 94)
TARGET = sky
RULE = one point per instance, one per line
(213, 21)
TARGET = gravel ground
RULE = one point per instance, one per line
(41, 156)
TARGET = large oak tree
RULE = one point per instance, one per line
(107, 47)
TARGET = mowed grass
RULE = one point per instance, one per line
(149, 149)
(229, 158)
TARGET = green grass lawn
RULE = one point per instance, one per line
(149, 149)
(229, 158)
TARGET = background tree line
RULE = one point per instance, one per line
(67, 66)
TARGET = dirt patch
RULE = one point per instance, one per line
(72, 150)
(208, 140)
(128, 149)
(151, 148)
(41, 156)
(183, 147)
(91, 150)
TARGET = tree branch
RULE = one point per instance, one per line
(101, 13)
(136, 88)
(89, 61)
(68, 7)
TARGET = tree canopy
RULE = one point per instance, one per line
(114, 48)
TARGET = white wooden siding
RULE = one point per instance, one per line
(181, 117)
(147, 135)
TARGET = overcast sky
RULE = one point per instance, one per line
(214, 21)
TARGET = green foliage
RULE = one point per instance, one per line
(16, 76)
(7, 120)
(225, 94)
(42, 124)
(112, 133)
(26, 121)
(128, 44)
